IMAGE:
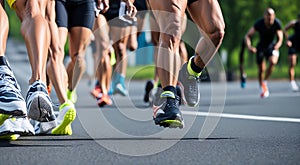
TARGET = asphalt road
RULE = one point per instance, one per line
(230, 126)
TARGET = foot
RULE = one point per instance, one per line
(264, 90)
(39, 104)
(96, 92)
(189, 84)
(19, 125)
(66, 116)
(294, 86)
(166, 111)
(243, 81)
(120, 88)
(11, 100)
(149, 86)
(104, 100)
(72, 96)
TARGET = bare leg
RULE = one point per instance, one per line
(208, 16)
(104, 69)
(272, 62)
(3, 31)
(56, 69)
(79, 40)
(292, 64)
(168, 61)
(35, 31)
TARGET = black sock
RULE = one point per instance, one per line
(194, 67)
(170, 88)
(3, 60)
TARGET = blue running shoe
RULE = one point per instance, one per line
(243, 81)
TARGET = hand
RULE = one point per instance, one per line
(289, 43)
(252, 49)
(105, 4)
(131, 9)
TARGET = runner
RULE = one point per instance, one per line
(293, 42)
(268, 28)
(208, 16)
(120, 26)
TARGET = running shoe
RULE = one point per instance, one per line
(11, 99)
(149, 86)
(49, 89)
(3, 117)
(96, 92)
(9, 137)
(66, 116)
(120, 88)
(294, 86)
(39, 104)
(243, 81)
(104, 100)
(189, 84)
(72, 96)
(154, 95)
(166, 111)
(264, 90)
(18, 125)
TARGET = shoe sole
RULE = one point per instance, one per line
(9, 137)
(65, 127)
(170, 123)
(40, 107)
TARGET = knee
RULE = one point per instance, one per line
(121, 48)
(217, 36)
(170, 41)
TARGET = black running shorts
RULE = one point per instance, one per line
(75, 14)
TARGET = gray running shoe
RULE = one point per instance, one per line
(39, 104)
(189, 84)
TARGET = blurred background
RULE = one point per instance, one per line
(239, 16)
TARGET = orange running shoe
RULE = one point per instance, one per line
(104, 100)
(264, 90)
(96, 92)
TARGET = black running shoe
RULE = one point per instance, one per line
(166, 111)
(148, 88)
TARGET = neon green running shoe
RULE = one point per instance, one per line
(66, 116)
(72, 96)
(3, 117)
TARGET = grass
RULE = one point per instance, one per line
(140, 72)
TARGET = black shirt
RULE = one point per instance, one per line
(266, 35)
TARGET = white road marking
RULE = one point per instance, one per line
(238, 116)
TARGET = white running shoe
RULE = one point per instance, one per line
(11, 99)
(20, 126)
(294, 86)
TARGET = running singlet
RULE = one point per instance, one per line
(266, 35)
